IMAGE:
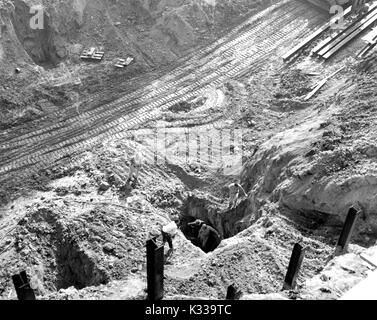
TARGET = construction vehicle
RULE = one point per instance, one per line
(92, 54)
(122, 63)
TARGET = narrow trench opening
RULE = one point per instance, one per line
(228, 224)
(75, 268)
(203, 235)
(220, 223)
(205, 225)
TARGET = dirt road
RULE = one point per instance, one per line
(247, 49)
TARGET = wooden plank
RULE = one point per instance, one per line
(371, 260)
(312, 37)
(354, 27)
(321, 84)
(329, 39)
(371, 37)
(366, 50)
(350, 38)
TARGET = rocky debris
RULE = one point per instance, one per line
(292, 84)
(62, 191)
(132, 288)
(271, 296)
(84, 248)
(164, 199)
(81, 240)
(337, 277)
(103, 186)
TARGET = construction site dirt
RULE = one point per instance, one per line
(195, 124)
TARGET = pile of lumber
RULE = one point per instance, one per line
(122, 63)
(92, 54)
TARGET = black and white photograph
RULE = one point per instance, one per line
(190, 157)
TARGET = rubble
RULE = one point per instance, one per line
(79, 230)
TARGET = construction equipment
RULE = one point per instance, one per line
(92, 54)
(122, 63)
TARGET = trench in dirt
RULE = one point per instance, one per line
(230, 222)
(77, 269)
(227, 222)
(66, 262)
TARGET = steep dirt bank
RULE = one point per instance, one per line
(154, 32)
(326, 163)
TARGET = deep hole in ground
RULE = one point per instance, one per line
(38, 43)
(76, 268)
(227, 222)
(65, 262)
(230, 222)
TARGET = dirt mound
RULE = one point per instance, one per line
(61, 248)
(326, 163)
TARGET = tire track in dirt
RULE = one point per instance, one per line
(189, 68)
(114, 119)
(99, 117)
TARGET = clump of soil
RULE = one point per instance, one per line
(293, 84)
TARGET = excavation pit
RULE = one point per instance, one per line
(227, 222)
(63, 257)
(77, 269)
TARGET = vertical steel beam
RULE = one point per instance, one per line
(233, 293)
(294, 267)
(22, 286)
(347, 230)
(155, 270)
